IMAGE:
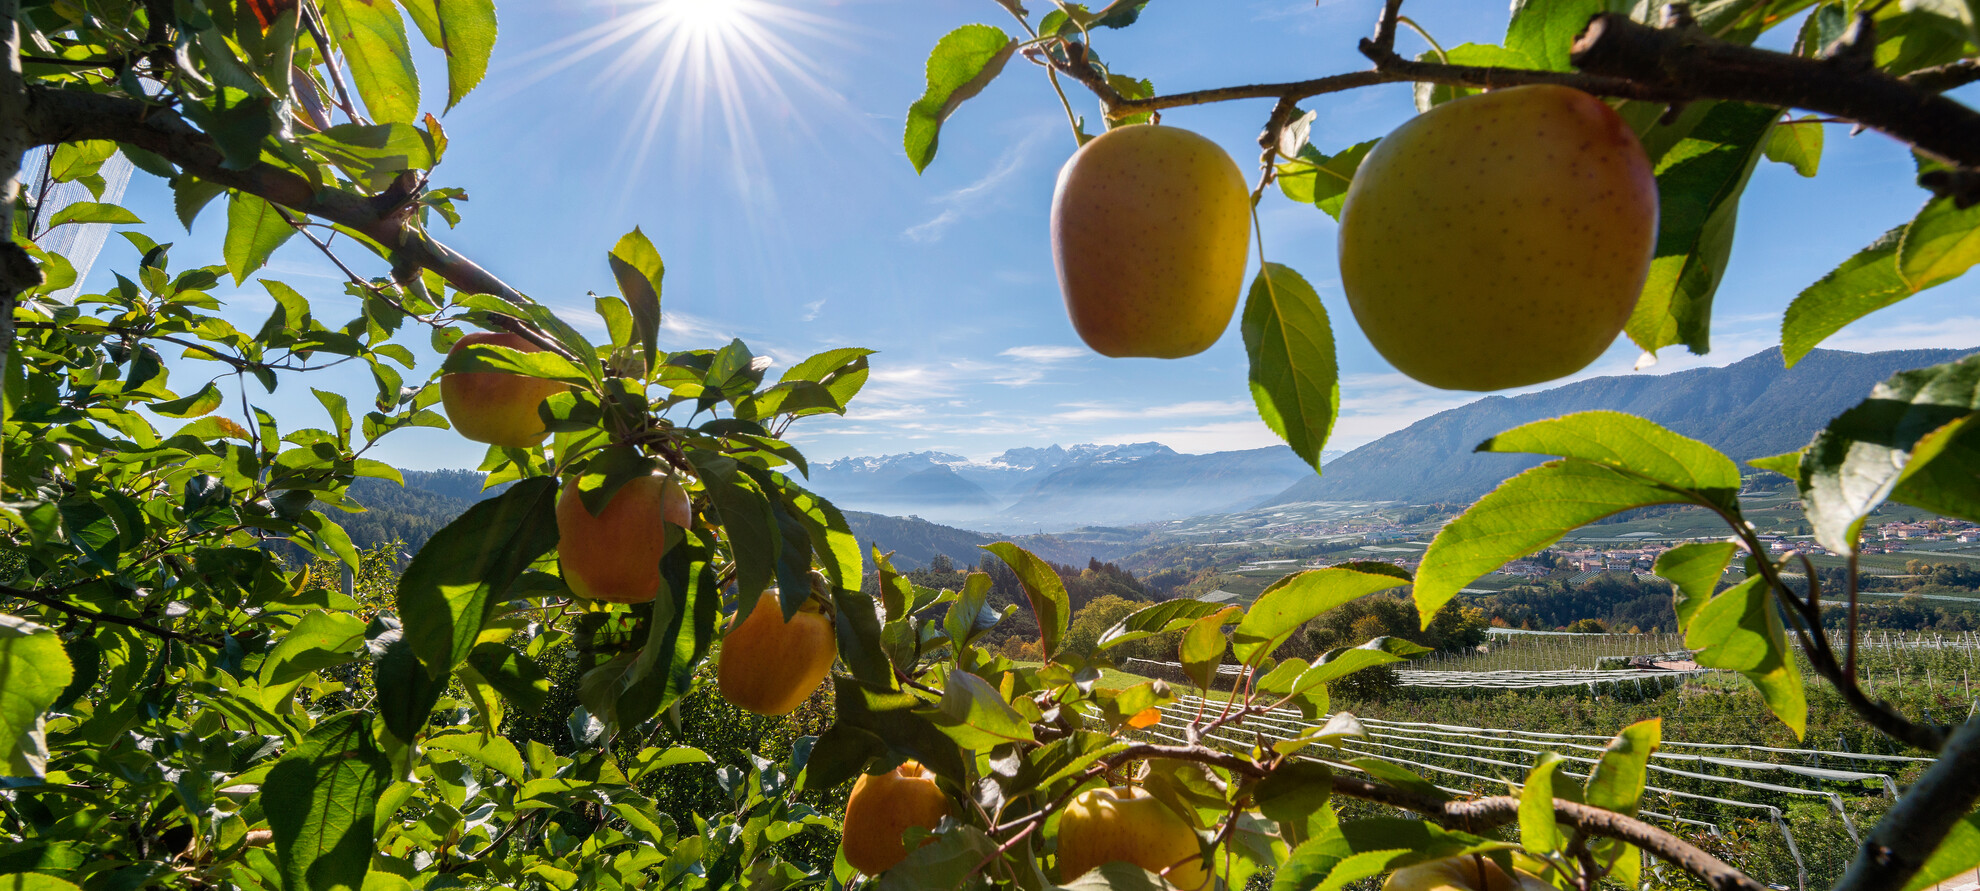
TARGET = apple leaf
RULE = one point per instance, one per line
(1295, 382)
(1043, 588)
(1740, 629)
(1694, 569)
(1299, 598)
(964, 62)
(1797, 144)
(1699, 183)
(1915, 440)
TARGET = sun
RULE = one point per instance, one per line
(702, 70)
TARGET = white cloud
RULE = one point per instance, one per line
(1199, 439)
(812, 309)
(981, 193)
(931, 230)
(1045, 353)
(1083, 412)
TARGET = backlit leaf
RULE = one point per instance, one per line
(1294, 381)
(1301, 597)
(33, 670)
(454, 581)
(964, 62)
(321, 801)
(372, 37)
(1740, 629)
(1043, 588)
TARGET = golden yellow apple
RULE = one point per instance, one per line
(615, 554)
(770, 666)
(1126, 823)
(493, 407)
(1462, 873)
(1501, 239)
(881, 808)
(1150, 227)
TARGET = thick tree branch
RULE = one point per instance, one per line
(1622, 58)
(59, 115)
(1687, 62)
(1902, 841)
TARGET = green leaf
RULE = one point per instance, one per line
(1320, 180)
(1957, 853)
(514, 675)
(1863, 284)
(1631, 444)
(1294, 381)
(1740, 629)
(946, 862)
(92, 212)
(895, 720)
(190, 195)
(1042, 586)
(1544, 30)
(196, 405)
(1699, 183)
(372, 37)
(1299, 598)
(964, 62)
(407, 689)
(453, 583)
(1204, 646)
(1939, 245)
(976, 716)
(680, 636)
(1797, 144)
(748, 519)
(1164, 617)
(842, 372)
(1363, 849)
(1915, 440)
(1538, 832)
(1617, 781)
(1431, 95)
(1787, 464)
(1524, 514)
(255, 228)
(33, 670)
(1694, 569)
(498, 753)
(321, 801)
(1295, 796)
(503, 360)
(1613, 462)
(637, 265)
(465, 31)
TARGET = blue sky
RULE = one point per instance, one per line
(789, 217)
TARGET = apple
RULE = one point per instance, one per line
(1463, 873)
(1150, 229)
(770, 666)
(615, 555)
(881, 808)
(493, 407)
(1501, 239)
(1126, 823)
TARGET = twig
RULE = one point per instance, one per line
(92, 615)
(1941, 78)
(58, 115)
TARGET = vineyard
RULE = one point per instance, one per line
(1788, 812)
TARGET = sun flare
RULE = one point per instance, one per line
(703, 70)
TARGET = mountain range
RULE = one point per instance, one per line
(1058, 487)
(1750, 409)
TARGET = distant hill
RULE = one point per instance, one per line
(1749, 409)
(915, 541)
(1058, 488)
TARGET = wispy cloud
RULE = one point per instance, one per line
(813, 309)
(1045, 353)
(1083, 412)
(977, 195)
